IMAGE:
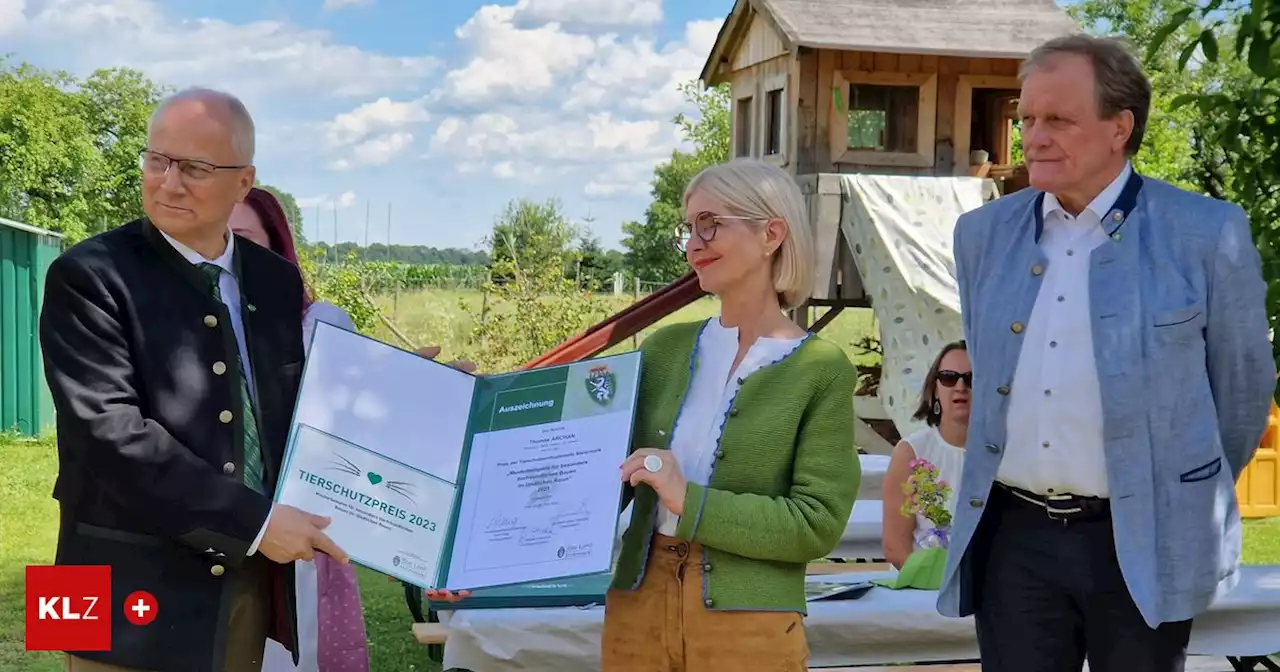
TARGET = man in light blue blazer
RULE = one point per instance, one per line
(1122, 380)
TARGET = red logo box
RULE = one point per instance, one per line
(68, 608)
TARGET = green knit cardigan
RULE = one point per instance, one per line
(783, 482)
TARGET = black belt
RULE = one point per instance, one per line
(1065, 508)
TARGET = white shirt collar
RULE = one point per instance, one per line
(1101, 204)
(718, 330)
(223, 261)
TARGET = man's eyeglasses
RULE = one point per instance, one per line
(705, 226)
(950, 378)
(193, 170)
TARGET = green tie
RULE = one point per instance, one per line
(252, 447)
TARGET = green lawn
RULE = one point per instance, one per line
(28, 524)
(28, 518)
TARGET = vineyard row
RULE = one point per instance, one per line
(379, 277)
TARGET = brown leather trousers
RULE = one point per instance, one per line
(663, 626)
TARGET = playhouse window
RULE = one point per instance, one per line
(773, 123)
(742, 144)
(883, 118)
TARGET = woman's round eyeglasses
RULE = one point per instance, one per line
(705, 226)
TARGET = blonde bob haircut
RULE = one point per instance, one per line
(753, 188)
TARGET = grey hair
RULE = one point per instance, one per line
(242, 128)
(1119, 82)
(754, 188)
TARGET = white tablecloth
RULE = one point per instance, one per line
(872, 482)
(884, 626)
(863, 532)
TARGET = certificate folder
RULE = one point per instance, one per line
(448, 480)
(575, 591)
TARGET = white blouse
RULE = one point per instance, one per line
(322, 311)
(712, 387)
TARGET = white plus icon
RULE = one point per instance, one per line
(141, 608)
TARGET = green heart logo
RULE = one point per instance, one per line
(374, 478)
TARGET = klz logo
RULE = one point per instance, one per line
(68, 608)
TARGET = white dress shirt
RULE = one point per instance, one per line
(1054, 424)
(711, 392)
(229, 288)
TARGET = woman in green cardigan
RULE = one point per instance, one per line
(744, 468)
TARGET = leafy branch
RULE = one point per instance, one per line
(1239, 111)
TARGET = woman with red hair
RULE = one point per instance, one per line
(331, 634)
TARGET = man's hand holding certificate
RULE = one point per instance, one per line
(451, 481)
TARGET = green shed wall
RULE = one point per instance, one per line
(25, 254)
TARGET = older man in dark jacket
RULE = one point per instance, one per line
(174, 352)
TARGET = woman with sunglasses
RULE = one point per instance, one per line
(944, 406)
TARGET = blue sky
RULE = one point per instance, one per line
(442, 110)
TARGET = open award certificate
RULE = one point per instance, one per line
(454, 481)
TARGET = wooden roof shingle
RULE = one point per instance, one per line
(967, 28)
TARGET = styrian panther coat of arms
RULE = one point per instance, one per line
(600, 385)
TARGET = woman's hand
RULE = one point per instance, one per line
(666, 480)
(433, 351)
(446, 595)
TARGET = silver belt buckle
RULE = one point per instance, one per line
(1057, 513)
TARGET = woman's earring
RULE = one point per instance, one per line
(937, 407)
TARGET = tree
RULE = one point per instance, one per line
(1171, 131)
(69, 149)
(117, 105)
(650, 253)
(709, 133)
(533, 305)
(291, 212)
(50, 164)
(1240, 111)
(596, 266)
(536, 234)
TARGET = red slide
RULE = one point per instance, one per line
(625, 324)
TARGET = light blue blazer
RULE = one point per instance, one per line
(1180, 336)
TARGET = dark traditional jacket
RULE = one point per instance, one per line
(141, 361)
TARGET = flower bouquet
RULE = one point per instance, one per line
(927, 497)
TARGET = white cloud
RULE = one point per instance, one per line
(373, 133)
(380, 115)
(375, 151)
(255, 60)
(600, 137)
(11, 15)
(616, 155)
(511, 61)
(621, 179)
(605, 102)
(326, 202)
(592, 12)
(335, 5)
(637, 76)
